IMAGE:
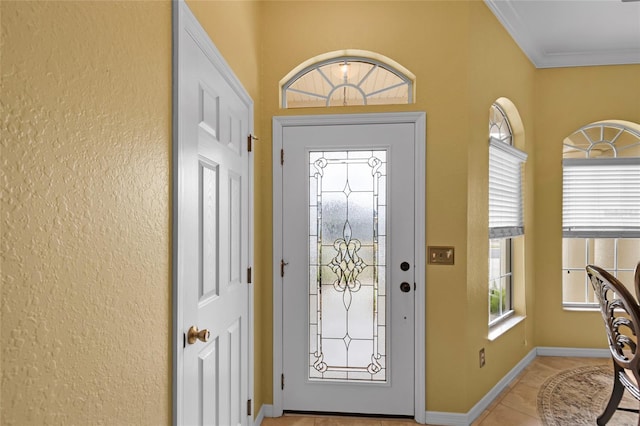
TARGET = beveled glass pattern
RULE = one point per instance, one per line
(347, 274)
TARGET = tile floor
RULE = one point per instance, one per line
(515, 406)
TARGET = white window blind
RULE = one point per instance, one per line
(506, 218)
(601, 198)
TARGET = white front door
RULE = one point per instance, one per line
(348, 266)
(212, 235)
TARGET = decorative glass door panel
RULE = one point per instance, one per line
(347, 271)
(344, 226)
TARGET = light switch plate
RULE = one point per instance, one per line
(441, 255)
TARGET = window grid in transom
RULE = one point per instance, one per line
(499, 127)
(347, 81)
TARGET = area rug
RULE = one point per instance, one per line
(578, 396)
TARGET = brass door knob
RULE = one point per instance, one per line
(194, 334)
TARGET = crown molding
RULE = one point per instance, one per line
(516, 26)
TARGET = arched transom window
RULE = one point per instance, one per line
(347, 80)
(603, 139)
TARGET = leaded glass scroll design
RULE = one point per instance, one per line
(347, 271)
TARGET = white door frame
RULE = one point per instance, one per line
(182, 17)
(419, 121)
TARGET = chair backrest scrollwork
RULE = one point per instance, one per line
(621, 315)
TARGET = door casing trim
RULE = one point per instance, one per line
(419, 121)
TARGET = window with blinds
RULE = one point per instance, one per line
(506, 218)
(600, 206)
(601, 197)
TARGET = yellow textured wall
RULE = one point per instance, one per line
(85, 248)
(512, 76)
(85, 146)
(567, 99)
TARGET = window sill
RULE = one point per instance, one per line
(580, 307)
(502, 327)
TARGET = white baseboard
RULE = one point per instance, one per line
(465, 419)
(265, 411)
(446, 419)
(574, 352)
(457, 419)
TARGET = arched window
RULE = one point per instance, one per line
(354, 78)
(600, 206)
(499, 126)
(506, 209)
(614, 139)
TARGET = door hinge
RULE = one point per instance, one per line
(282, 381)
(249, 275)
(248, 407)
(282, 156)
(184, 340)
(282, 265)
(250, 139)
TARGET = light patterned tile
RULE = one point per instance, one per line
(522, 398)
(516, 405)
(536, 375)
(289, 421)
(561, 363)
(347, 421)
(503, 416)
(498, 398)
(398, 422)
(480, 418)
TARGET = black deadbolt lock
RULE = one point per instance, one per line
(405, 266)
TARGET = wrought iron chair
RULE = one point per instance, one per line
(621, 315)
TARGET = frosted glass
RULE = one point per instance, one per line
(313, 276)
(334, 316)
(361, 217)
(382, 253)
(574, 286)
(313, 342)
(382, 310)
(604, 253)
(335, 352)
(360, 177)
(347, 248)
(361, 308)
(313, 220)
(359, 353)
(334, 210)
(628, 253)
(313, 250)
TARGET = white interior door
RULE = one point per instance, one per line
(348, 267)
(212, 252)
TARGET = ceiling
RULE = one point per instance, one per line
(569, 33)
